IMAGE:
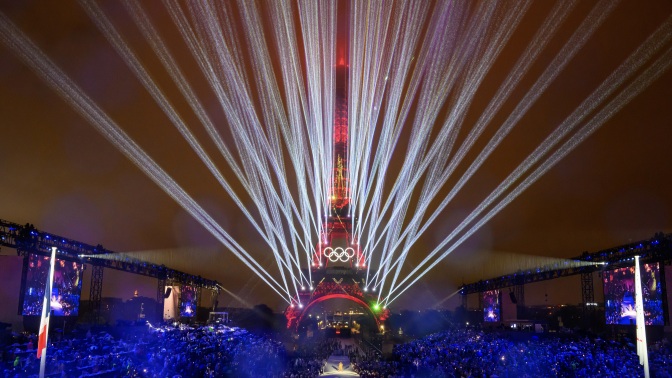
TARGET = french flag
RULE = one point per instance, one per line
(46, 310)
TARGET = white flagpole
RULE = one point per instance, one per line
(46, 312)
(642, 350)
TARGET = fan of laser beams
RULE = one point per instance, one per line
(272, 73)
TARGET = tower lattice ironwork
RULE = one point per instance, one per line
(338, 265)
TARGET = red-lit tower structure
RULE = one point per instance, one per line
(337, 267)
(337, 245)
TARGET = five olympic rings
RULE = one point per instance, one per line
(339, 254)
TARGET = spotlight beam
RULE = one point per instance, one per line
(567, 52)
(76, 98)
(129, 57)
(541, 38)
(632, 64)
(451, 126)
(199, 52)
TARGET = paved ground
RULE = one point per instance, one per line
(333, 368)
(340, 366)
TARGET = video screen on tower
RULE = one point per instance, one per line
(188, 302)
(619, 295)
(65, 291)
(491, 308)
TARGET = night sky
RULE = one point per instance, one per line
(61, 175)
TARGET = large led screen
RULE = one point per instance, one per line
(188, 302)
(619, 295)
(491, 309)
(65, 292)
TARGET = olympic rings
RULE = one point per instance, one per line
(339, 254)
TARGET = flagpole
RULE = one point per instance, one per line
(46, 312)
(642, 350)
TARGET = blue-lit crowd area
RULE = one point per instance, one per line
(168, 351)
(221, 351)
(172, 351)
(473, 353)
(148, 338)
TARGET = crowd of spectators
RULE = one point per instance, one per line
(470, 353)
(309, 357)
(172, 351)
(221, 351)
(160, 352)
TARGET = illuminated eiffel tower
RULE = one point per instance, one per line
(338, 266)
